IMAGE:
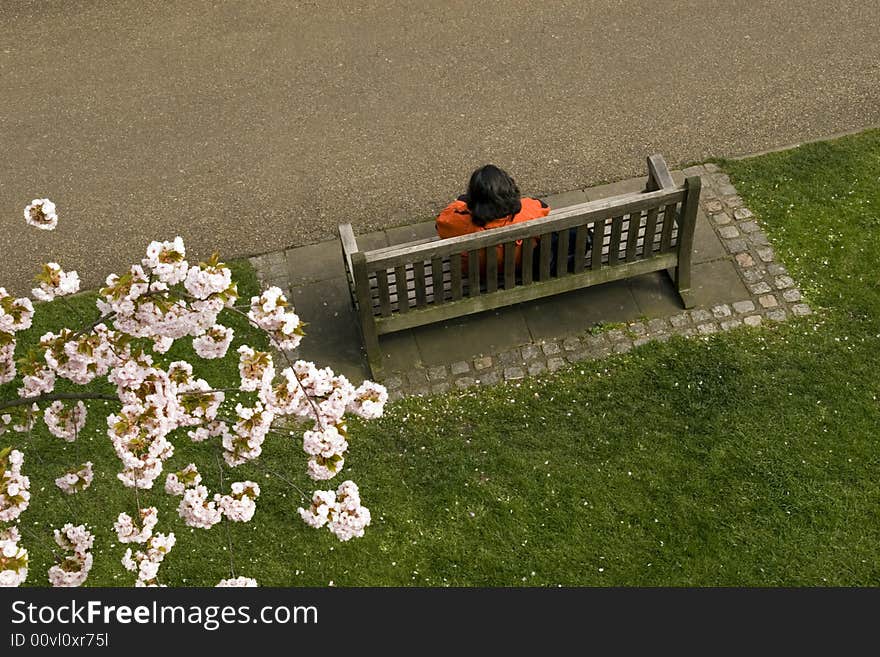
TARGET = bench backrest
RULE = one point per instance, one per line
(638, 231)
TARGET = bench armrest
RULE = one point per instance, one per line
(349, 246)
(658, 174)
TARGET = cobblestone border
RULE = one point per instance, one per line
(774, 296)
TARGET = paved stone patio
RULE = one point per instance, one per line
(736, 281)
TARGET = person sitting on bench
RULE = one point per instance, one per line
(492, 201)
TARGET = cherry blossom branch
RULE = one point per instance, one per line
(56, 396)
(286, 481)
(228, 532)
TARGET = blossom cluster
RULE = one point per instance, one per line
(165, 298)
(269, 311)
(238, 581)
(41, 213)
(306, 391)
(245, 442)
(161, 299)
(129, 531)
(81, 357)
(65, 422)
(341, 512)
(77, 479)
(55, 282)
(13, 558)
(146, 562)
(14, 486)
(196, 510)
(15, 315)
(73, 568)
(177, 482)
(240, 505)
(155, 402)
(214, 342)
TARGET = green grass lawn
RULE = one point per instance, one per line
(748, 458)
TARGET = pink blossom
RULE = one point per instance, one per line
(146, 563)
(238, 581)
(177, 482)
(166, 261)
(129, 531)
(65, 422)
(214, 342)
(55, 282)
(15, 314)
(73, 569)
(341, 512)
(269, 312)
(240, 504)
(13, 558)
(196, 510)
(369, 400)
(14, 486)
(255, 368)
(41, 213)
(77, 479)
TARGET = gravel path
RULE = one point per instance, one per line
(246, 127)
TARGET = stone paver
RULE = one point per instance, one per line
(737, 282)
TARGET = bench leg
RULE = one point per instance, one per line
(682, 280)
(682, 286)
(374, 353)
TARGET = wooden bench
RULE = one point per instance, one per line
(407, 285)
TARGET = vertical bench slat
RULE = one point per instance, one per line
(614, 245)
(491, 268)
(474, 273)
(668, 224)
(598, 240)
(544, 256)
(632, 235)
(400, 288)
(384, 296)
(562, 253)
(455, 275)
(419, 275)
(528, 251)
(437, 280)
(580, 248)
(509, 265)
(650, 233)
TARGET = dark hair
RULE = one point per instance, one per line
(492, 194)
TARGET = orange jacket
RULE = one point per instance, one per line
(456, 220)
